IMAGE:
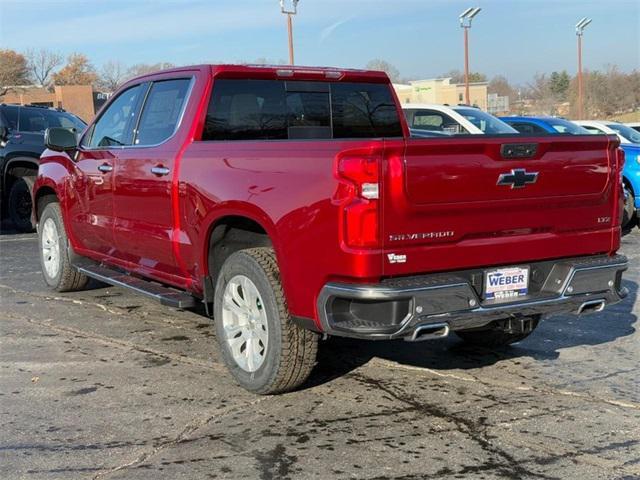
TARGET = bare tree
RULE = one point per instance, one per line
(144, 68)
(112, 75)
(13, 71)
(41, 64)
(389, 69)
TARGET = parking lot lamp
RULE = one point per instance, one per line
(580, 26)
(465, 22)
(289, 8)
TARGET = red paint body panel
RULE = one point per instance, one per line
(159, 227)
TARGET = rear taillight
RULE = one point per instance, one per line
(621, 194)
(358, 195)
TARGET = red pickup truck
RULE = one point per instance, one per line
(293, 203)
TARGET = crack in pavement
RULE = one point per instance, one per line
(508, 466)
(547, 390)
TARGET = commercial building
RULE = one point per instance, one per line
(441, 91)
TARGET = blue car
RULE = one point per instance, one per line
(544, 125)
(630, 143)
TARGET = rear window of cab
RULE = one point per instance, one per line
(287, 110)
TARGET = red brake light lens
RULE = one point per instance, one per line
(360, 213)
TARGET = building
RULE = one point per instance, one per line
(77, 99)
(441, 91)
(497, 104)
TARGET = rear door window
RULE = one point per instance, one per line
(279, 110)
(161, 111)
(32, 120)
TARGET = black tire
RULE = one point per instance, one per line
(630, 215)
(291, 351)
(497, 334)
(19, 204)
(67, 278)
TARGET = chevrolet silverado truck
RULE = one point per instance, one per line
(293, 204)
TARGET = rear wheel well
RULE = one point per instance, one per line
(229, 235)
(19, 167)
(627, 183)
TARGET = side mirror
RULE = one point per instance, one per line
(4, 134)
(60, 139)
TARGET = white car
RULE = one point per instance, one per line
(427, 120)
(625, 133)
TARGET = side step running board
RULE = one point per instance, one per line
(165, 295)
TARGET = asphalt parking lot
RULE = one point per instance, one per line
(103, 384)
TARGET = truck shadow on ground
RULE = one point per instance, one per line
(339, 356)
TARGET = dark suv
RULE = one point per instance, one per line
(22, 130)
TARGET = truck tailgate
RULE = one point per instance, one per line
(480, 201)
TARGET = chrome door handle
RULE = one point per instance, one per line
(105, 168)
(159, 170)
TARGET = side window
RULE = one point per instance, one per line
(161, 111)
(32, 120)
(594, 130)
(115, 125)
(528, 128)
(11, 116)
(246, 110)
(433, 120)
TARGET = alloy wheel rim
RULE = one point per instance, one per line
(244, 321)
(50, 248)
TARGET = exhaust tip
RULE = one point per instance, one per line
(428, 332)
(592, 306)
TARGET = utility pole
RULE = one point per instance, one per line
(465, 22)
(290, 10)
(579, 32)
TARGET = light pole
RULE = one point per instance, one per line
(465, 22)
(580, 26)
(289, 10)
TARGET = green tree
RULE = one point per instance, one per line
(458, 77)
(559, 83)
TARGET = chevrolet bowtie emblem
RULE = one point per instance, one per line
(518, 178)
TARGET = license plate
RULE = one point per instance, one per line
(506, 283)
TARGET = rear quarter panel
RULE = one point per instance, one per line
(288, 188)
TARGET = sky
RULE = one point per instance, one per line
(422, 38)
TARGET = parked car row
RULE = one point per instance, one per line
(22, 129)
(438, 120)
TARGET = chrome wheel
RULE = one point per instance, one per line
(50, 248)
(244, 321)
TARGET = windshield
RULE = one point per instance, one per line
(626, 132)
(565, 126)
(485, 122)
